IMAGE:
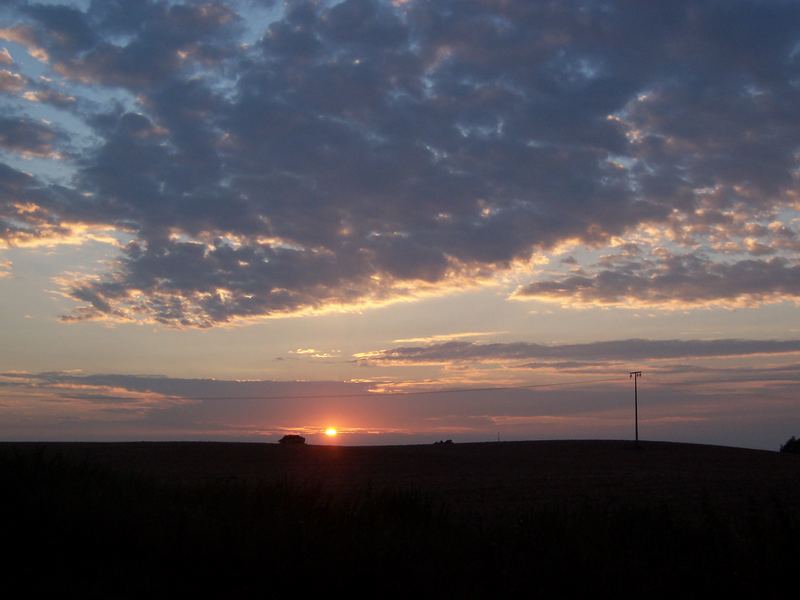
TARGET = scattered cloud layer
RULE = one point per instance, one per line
(675, 281)
(359, 152)
(750, 407)
(556, 354)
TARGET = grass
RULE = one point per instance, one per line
(76, 526)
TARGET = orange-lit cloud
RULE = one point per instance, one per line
(24, 36)
(441, 337)
(312, 353)
(5, 268)
(51, 96)
(41, 233)
(11, 83)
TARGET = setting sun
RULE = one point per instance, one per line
(331, 431)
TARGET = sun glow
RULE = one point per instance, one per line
(331, 432)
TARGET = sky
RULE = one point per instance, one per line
(409, 220)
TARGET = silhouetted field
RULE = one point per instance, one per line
(467, 519)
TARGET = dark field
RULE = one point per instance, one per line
(467, 519)
(487, 477)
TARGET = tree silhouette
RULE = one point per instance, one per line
(292, 439)
(792, 446)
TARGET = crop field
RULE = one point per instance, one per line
(127, 519)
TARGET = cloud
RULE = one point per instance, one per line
(27, 38)
(27, 137)
(675, 282)
(365, 152)
(176, 387)
(20, 216)
(313, 353)
(29, 214)
(50, 96)
(10, 82)
(162, 37)
(616, 350)
(5, 57)
(447, 336)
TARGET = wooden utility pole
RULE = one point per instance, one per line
(635, 376)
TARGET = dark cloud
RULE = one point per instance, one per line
(777, 375)
(683, 280)
(569, 366)
(215, 389)
(27, 136)
(129, 44)
(564, 355)
(67, 28)
(364, 150)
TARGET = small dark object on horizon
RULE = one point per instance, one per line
(442, 442)
(292, 439)
(792, 446)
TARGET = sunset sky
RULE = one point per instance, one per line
(237, 220)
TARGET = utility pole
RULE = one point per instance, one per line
(635, 376)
